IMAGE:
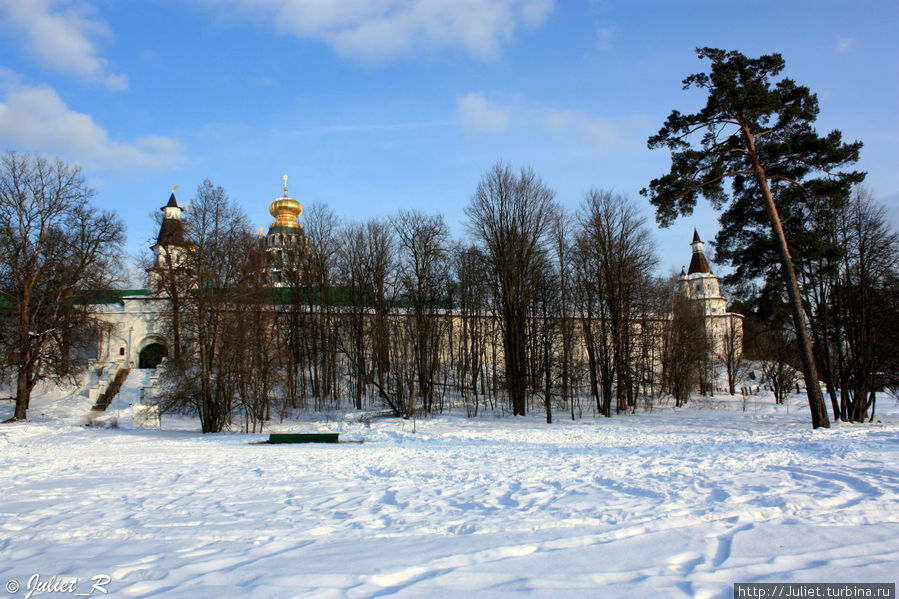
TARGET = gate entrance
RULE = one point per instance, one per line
(152, 355)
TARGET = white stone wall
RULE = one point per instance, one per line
(704, 287)
(136, 323)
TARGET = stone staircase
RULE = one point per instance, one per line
(111, 391)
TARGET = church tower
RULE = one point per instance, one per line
(170, 248)
(700, 284)
(285, 241)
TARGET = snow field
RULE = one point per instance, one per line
(676, 503)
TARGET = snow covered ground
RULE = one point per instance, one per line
(673, 503)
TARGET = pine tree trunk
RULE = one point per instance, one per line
(809, 371)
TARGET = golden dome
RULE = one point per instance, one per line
(285, 210)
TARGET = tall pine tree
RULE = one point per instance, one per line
(756, 134)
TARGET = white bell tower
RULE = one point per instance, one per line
(700, 284)
(170, 248)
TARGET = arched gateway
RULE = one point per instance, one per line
(152, 355)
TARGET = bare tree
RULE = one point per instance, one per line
(563, 252)
(55, 250)
(730, 352)
(253, 338)
(862, 309)
(473, 340)
(365, 269)
(509, 216)
(219, 262)
(616, 236)
(686, 346)
(424, 280)
(775, 347)
(352, 335)
(322, 227)
(544, 332)
(381, 265)
(593, 312)
(291, 321)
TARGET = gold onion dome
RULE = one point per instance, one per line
(285, 210)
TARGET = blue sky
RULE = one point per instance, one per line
(375, 105)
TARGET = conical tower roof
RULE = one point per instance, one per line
(698, 264)
(171, 232)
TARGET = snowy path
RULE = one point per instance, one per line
(674, 503)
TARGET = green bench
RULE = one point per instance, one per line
(302, 438)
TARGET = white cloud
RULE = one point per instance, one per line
(376, 30)
(479, 116)
(62, 38)
(844, 45)
(561, 122)
(34, 118)
(604, 37)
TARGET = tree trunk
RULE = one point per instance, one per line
(176, 328)
(515, 346)
(547, 371)
(23, 394)
(591, 360)
(810, 374)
